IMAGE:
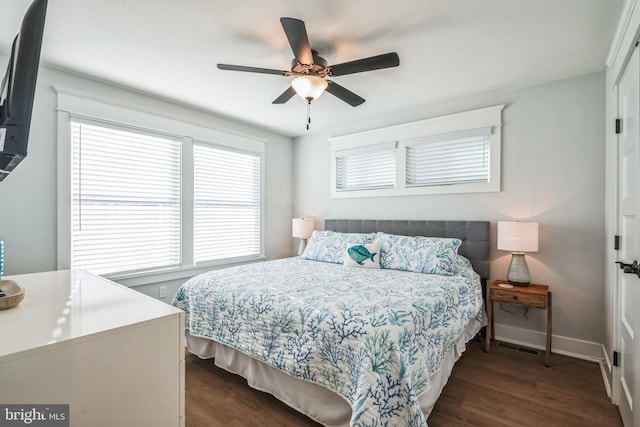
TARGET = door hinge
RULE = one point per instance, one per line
(616, 358)
(618, 125)
(616, 243)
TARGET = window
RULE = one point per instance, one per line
(227, 203)
(458, 153)
(126, 199)
(448, 159)
(369, 168)
(145, 198)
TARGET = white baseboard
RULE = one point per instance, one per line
(566, 346)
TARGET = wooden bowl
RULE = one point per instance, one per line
(14, 294)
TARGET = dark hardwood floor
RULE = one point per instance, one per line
(507, 387)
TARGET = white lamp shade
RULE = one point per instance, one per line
(302, 228)
(515, 236)
(309, 87)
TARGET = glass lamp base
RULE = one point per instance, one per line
(518, 274)
(301, 246)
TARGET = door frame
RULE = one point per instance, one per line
(629, 413)
(622, 48)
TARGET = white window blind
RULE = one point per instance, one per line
(448, 159)
(125, 199)
(366, 168)
(456, 153)
(227, 203)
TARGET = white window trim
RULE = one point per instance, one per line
(77, 103)
(489, 117)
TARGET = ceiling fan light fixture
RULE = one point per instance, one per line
(309, 87)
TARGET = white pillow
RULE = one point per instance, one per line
(362, 255)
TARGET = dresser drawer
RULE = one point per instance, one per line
(516, 297)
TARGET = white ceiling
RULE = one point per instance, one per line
(448, 49)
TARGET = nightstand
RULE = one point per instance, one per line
(535, 296)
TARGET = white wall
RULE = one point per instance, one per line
(552, 172)
(28, 202)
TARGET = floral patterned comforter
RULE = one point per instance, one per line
(374, 337)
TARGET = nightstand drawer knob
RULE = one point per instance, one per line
(515, 297)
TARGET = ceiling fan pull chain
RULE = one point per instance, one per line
(308, 113)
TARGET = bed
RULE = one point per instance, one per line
(348, 346)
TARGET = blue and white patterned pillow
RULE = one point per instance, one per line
(430, 255)
(463, 267)
(329, 246)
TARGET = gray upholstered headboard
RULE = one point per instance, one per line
(474, 234)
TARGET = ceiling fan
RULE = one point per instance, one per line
(311, 70)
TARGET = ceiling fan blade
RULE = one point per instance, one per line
(286, 95)
(378, 62)
(344, 94)
(296, 33)
(251, 69)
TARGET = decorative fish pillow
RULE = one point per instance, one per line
(362, 255)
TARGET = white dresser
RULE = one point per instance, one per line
(114, 355)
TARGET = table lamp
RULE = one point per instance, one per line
(518, 238)
(302, 228)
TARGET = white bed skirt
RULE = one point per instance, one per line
(313, 400)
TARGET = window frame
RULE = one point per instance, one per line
(73, 103)
(403, 135)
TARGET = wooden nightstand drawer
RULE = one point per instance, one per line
(507, 295)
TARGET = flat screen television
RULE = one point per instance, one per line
(19, 87)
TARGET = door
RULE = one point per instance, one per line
(626, 381)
